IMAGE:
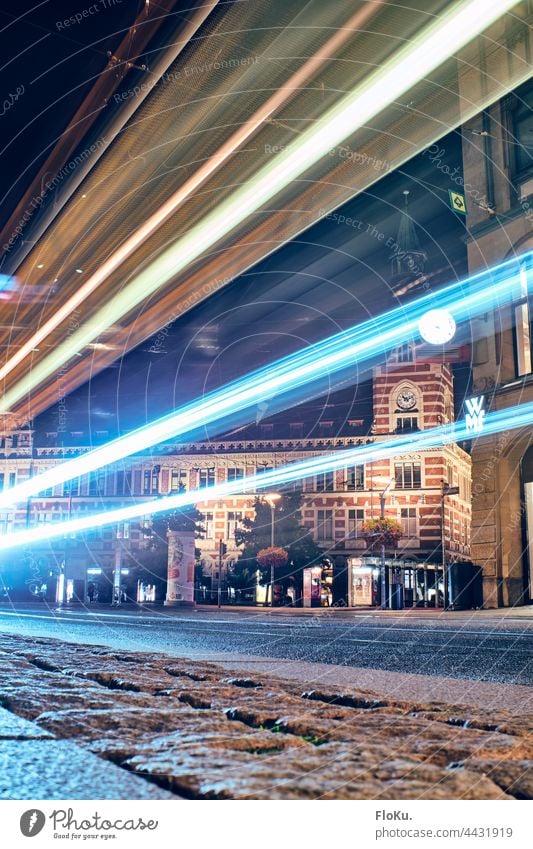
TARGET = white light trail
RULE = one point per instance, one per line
(133, 242)
(510, 419)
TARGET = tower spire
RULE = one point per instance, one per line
(408, 259)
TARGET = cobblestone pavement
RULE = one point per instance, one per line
(204, 733)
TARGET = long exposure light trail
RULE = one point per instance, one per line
(495, 422)
(311, 367)
(296, 81)
(440, 40)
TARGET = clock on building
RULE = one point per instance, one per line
(406, 399)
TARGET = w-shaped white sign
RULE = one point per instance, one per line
(475, 416)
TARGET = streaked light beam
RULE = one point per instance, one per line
(440, 40)
(510, 419)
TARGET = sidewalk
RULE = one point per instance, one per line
(91, 722)
(524, 612)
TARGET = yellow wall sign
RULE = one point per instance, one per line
(457, 202)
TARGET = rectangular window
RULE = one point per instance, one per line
(147, 478)
(209, 526)
(92, 484)
(178, 480)
(355, 478)
(296, 430)
(233, 521)
(407, 475)
(12, 479)
(206, 477)
(120, 483)
(356, 517)
(325, 482)
(521, 135)
(325, 524)
(155, 480)
(2, 482)
(409, 522)
(404, 353)
(522, 326)
(235, 474)
(406, 424)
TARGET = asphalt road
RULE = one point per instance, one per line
(482, 649)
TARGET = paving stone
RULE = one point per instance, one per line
(200, 731)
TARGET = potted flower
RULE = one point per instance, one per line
(381, 532)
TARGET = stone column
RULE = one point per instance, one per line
(180, 576)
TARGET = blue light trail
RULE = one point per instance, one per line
(494, 422)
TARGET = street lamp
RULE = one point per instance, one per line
(271, 498)
(445, 490)
(382, 495)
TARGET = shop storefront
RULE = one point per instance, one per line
(403, 583)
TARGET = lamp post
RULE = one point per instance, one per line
(382, 495)
(445, 490)
(271, 500)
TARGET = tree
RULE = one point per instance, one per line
(150, 562)
(289, 534)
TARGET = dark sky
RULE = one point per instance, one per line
(48, 64)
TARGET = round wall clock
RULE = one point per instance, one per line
(406, 399)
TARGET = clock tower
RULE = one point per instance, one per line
(413, 391)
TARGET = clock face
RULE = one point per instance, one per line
(437, 327)
(406, 399)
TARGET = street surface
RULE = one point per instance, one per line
(484, 648)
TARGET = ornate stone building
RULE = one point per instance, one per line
(498, 184)
(403, 396)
